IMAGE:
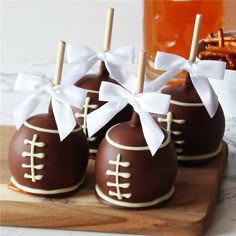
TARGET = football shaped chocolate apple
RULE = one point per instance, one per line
(195, 119)
(136, 161)
(46, 157)
(197, 136)
(92, 83)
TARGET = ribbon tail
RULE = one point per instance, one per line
(151, 131)
(75, 74)
(100, 117)
(210, 69)
(122, 76)
(154, 102)
(71, 95)
(160, 81)
(64, 118)
(206, 93)
(24, 110)
(123, 55)
(78, 72)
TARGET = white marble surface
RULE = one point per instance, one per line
(224, 220)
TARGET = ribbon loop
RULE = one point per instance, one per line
(118, 97)
(198, 71)
(62, 96)
(79, 54)
(87, 57)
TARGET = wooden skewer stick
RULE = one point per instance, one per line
(196, 37)
(108, 30)
(135, 121)
(59, 63)
(141, 71)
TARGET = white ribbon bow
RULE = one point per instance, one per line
(199, 71)
(117, 98)
(62, 97)
(87, 57)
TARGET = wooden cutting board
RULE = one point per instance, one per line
(188, 213)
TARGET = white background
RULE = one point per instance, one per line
(30, 30)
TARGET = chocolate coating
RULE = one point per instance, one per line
(199, 133)
(151, 177)
(93, 82)
(64, 162)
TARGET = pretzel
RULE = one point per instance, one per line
(221, 37)
(216, 39)
(229, 50)
(230, 44)
(220, 47)
(210, 55)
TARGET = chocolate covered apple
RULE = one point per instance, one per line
(111, 60)
(195, 119)
(92, 84)
(42, 164)
(136, 161)
(197, 136)
(127, 174)
(48, 154)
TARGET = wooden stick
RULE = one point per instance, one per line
(196, 37)
(59, 63)
(135, 121)
(141, 71)
(108, 30)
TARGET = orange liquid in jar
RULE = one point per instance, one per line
(168, 26)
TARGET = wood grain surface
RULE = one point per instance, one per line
(188, 213)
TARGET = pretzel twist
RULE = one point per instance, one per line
(220, 47)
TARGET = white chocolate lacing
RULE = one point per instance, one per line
(32, 156)
(169, 120)
(87, 106)
(117, 174)
(156, 201)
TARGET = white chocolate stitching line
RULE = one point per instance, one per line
(118, 174)
(47, 192)
(185, 104)
(132, 148)
(200, 157)
(33, 143)
(169, 120)
(134, 204)
(87, 106)
(50, 131)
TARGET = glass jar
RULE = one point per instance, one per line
(168, 26)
